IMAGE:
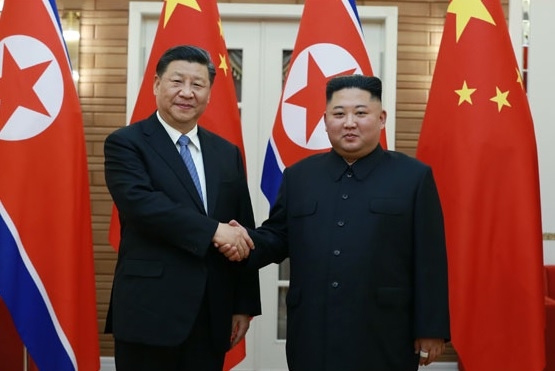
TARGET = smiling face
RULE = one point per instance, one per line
(354, 121)
(182, 93)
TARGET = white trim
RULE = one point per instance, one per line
(137, 13)
(107, 364)
(515, 28)
(549, 252)
(441, 366)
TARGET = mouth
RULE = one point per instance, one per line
(184, 105)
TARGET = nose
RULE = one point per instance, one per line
(349, 120)
(186, 90)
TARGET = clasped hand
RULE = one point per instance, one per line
(233, 241)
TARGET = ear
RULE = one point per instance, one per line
(156, 85)
(383, 118)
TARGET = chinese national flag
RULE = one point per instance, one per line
(47, 281)
(194, 22)
(478, 136)
(329, 43)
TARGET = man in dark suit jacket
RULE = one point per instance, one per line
(176, 301)
(363, 229)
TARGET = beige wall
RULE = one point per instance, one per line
(102, 88)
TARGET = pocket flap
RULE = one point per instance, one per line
(307, 207)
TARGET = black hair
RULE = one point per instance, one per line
(189, 53)
(371, 84)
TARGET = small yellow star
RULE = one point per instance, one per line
(519, 78)
(465, 94)
(501, 99)
(171, 4)
(223, 64)
(466, 9)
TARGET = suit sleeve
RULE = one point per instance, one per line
(430, 264)
(270, 238)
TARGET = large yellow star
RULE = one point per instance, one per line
(223, 64)
(171, 4)
(501, 99)
(466, 9)
(465, 93)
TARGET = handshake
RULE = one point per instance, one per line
(233, 241)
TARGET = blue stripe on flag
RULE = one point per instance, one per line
(53, 12)
(271, 175)
(27, 308)
(354, 8)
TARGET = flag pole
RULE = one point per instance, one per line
(25, 355)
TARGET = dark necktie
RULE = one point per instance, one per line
(183, 142)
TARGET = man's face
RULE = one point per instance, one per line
(182, 93)
(354, 122)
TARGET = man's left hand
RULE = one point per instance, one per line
(240, 325)
(429, 350)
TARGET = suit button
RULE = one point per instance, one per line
(341, 223)
(335, 285)
(336, 252)
(344, 196)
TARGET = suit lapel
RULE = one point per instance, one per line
(157, 137)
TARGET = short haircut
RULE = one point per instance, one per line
(189, 53)
(371, 84)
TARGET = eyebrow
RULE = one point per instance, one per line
(357, 106)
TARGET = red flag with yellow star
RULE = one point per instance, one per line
(478, 136)
(321, 52)
(193, 22)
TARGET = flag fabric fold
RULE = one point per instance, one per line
(194, 22)
(47, 279)
(320, 53)
(478, 136)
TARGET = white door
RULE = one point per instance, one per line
(259, 38)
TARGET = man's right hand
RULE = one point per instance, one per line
(233, 241)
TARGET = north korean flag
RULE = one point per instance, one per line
(47, 280)
(329, 43)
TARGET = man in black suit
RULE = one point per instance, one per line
(176, 301)
(363, 229)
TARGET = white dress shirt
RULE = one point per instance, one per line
(194, 148)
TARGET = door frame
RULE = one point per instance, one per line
(264, 353)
